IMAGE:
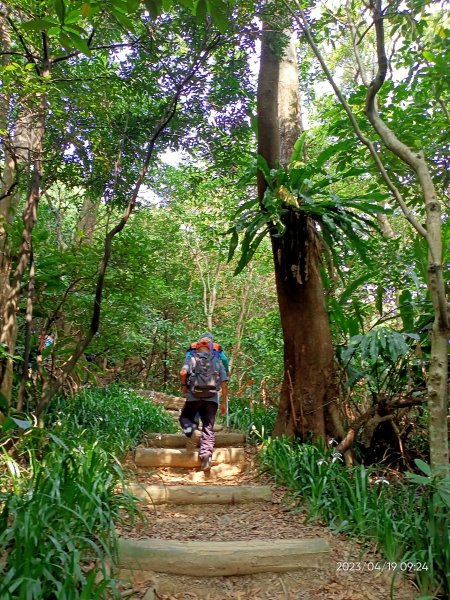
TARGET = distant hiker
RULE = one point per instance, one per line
(216, 349)
(45, 341)
(202, 376)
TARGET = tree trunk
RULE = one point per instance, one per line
(8, 174)
(85, 228)
(308, 351)
(289, 105)
(438, 372)
(21, 394)
(35, 128)
(16, 148)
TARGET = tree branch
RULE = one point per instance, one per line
(416, 162)
(102, 47)
(28, 53)
(363, 139)
(372, 414)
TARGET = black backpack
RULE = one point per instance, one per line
(204, 379)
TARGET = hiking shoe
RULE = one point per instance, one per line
(189, 430)
(206, 463)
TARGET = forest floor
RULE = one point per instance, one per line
(352, 572)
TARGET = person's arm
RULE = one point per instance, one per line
(225, 362)
(224, 397)
(183, 380)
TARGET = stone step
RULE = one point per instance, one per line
(200, 494)
(210, 559)
(175, 414)
(170, 457)
(179, 440)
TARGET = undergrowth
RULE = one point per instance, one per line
(409, 521)
(255, 419)
(114, 416)
(63, 494)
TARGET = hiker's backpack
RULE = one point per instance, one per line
(203, 381)
(216, 351)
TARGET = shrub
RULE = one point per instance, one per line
(57, 525)
(63, 497)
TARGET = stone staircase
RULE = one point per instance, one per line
(202, 568)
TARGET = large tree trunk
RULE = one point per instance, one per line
(308, 351)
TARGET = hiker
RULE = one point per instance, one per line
(217, 349)
(201, 376)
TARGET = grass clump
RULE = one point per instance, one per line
(255, 419)
(57, 525)
(114, 416)
(409, 520)
(64, 493)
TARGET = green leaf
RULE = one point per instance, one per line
(263, 166)
(420, 254)
(379, 299)
(73, 40)
(133, 5)
(246, 206)
(373, 348)
(22, 423)
(60, 10)
(219, 13)
(406, 310)
(154, 7)
(122, 18)
(199, 10)
(429, 56)
(73, 28)
(299, 145)
(352, 287)
(8, 424)
(326, 154)
(249, 249)
(422, 465)
(233, 245)
(420, 479)
(39, 25)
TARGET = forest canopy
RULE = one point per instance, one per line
(325, 281)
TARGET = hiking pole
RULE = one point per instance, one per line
(228, 416)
